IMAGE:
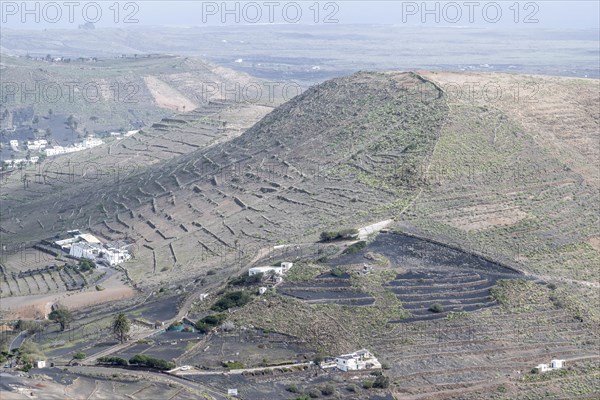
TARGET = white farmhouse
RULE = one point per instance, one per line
(37, 144)
(91, 251)
(115, 256)
(554, 364)
(91, 141)
(282, 269)
(361, 359)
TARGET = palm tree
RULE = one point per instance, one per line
(120, 327)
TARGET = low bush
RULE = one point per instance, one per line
(231, 300)
(209, 322)
(152, 362)
(247, 280)
(112, 361)
(86, 265)
(328, 390)
(436, 308)
(292, 388)
(329, 236)
(382, 382)
(233, 365)
(355, 247)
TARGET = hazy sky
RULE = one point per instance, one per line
(505, 14)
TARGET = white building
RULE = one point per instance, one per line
(361, 359)
(285, 267)
(87, 143)
(554, 364)
(85, 245)
(91, 251)
(14, 144)
(262, 290)
(37, 144)
(40, 364)
(115, 256)
(91, 141)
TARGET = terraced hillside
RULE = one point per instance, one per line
(493, 327)
(335, 163)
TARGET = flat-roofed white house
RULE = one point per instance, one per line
(554, 364)
(115, 256)
(361, 359)
(91, 251)
(282, 269)
(285, 266)
(85, 245)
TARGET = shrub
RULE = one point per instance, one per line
(353, 388)
(558, 303)
(329, 236)
(247, 280)
(314, 393)
(79, 356)
(152, 362)
(551, 286)
(367, 384)
(230, 300)
(328, 390)
(233, 365)
(26, 367)
(338, 272)
(205, 324)
(111, 360)
(86, 265)
(355, 247)
(382, 382)
(436, 308)
(292, 388)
